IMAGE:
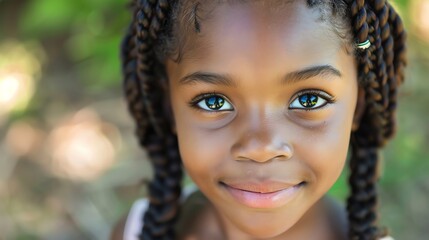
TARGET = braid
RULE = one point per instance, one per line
(361, 204)
(161, 10)
(144, 99)
(389, 77)
(380, 69)
(399, 61)
(359, 24)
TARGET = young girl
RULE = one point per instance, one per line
(259, 101)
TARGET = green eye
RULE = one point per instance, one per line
(214, 103)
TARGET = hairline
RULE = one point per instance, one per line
(187, 21)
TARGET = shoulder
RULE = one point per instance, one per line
(133, 223)
(118, 230)
(338, 216)
(129, 226)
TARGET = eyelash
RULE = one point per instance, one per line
(194, 102)
(319, 93)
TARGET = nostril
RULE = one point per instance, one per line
(263, 159)
(281, 157)
(261, 149)
(260, 153)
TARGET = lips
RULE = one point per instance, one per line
(262, 187)
(267, 194)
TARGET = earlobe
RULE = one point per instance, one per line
(359, 110)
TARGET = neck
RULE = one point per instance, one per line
(315, 224)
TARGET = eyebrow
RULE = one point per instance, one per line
(300, 75)
(293, 77)
(207, 77)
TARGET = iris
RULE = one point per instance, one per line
(215, 102)
(308, 100)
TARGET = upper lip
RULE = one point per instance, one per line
(261, 186)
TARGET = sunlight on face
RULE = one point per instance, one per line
(263, 108)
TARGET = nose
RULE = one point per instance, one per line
(260, 142)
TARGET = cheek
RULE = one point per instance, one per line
(325, 151)
(194, 147)
(202, 152)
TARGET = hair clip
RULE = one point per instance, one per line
(364, 45)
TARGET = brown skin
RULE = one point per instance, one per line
(206, 226)
(261, 137)
(118, 230)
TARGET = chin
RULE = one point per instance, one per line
(265, 233)
(265, 229)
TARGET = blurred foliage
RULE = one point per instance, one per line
(44, 194)
(91, 31)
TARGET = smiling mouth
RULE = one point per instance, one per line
(263, 195)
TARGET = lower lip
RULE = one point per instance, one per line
(264, 200)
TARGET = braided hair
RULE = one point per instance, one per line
(153, 131)
(381, 70)
(153, 35)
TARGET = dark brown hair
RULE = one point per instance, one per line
(158, 30)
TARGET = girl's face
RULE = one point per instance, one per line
(263, 104)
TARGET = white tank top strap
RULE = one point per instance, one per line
(387, 238)
(134, 223)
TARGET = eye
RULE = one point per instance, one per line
(311, 100)
(212, 103)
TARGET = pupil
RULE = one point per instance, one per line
(308, 100)
(214, 102)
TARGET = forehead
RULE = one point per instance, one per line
(260, 28)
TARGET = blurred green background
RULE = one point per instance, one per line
(70, 166)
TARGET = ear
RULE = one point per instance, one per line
(359, 110)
